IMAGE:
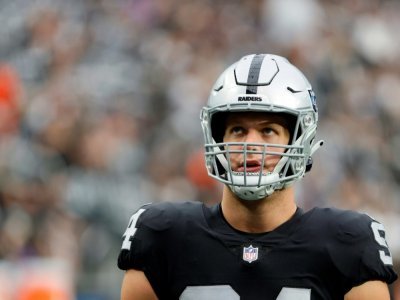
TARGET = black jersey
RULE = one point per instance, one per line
(188, 251)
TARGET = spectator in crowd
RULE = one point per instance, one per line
(89, 89)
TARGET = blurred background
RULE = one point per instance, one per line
(99, 114)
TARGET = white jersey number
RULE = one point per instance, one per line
(217, 292)
(379, 234)
(131, 230)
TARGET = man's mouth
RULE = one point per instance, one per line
(252, 166)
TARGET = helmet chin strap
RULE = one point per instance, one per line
(222, 159)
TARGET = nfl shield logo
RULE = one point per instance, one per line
(250, 254)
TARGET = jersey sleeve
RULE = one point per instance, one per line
(361, 252)
(143, 244)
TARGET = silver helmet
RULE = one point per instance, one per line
(261, 83)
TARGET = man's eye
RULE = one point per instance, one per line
(237, 130)
(268, 130)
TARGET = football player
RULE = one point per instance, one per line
(259, 127)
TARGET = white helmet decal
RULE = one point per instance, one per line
(261, 83)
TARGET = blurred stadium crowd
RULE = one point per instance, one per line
(99, 113)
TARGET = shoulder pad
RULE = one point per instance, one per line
(344, 225)
(357, 247)
(353, 226)
(156, 217)
(164, 215)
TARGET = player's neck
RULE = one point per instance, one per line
(258, 216)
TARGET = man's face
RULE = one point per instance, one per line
(255, 128)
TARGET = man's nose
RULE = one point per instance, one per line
(253, 136)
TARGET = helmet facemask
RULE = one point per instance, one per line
(293, 159)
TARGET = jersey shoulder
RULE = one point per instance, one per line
(151, 228)
(345, 225)
(356, 244)
(165, 215)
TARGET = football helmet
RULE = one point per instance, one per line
(261, 83)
